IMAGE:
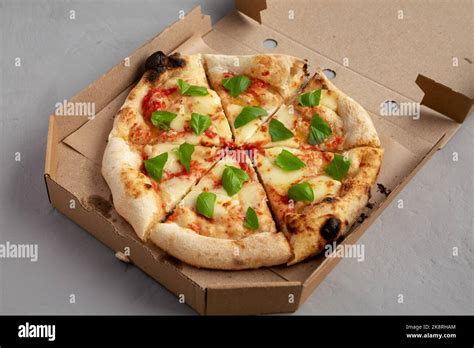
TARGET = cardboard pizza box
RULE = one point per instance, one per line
(379, 52)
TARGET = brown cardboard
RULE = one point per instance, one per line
(444, 100)
(76, 144)
(389, 42)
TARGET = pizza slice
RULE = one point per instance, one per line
(224, 222)
(253, 87)
(321, 117)
(316, 196)
(173, 103)
(148, 181)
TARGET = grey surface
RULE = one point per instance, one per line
(408, 251)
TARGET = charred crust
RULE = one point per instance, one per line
(330, 229)
(362, 218)
(292, 225)
(346, 186)
(305, 69)
(383, 190)
(152, 75)
(158, 63)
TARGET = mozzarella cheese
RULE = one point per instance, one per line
(174, 189)
(281, 180)
(324, 186)
(329, 99)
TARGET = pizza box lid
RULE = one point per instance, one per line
(75, 146)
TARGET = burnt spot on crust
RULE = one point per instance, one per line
(305, 69)
(362, 218)
(330, 229)
(158, 63)
(370, 205)
(294, 222)
(98, 203)
(152, 75)
(383, 190)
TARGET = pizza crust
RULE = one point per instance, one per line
(133, 195)
(358, 127)
(258, 250)
(317, 224)
(283, 72)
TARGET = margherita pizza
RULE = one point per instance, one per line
(256, 168)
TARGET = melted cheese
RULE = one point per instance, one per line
(273, 175)
(329, 99)
(174, 190)
(286, 115)
(172, 164)
(281, 180)
(252, 194)
(354, 157)
(246, 131)
(324, 186)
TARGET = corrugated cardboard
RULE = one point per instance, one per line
(76, 144)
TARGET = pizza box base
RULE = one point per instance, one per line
(75, 143)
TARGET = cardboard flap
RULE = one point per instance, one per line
(444, 100)
(391, 42)
(251, 8)
(90, 140)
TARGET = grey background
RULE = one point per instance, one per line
(408, 251)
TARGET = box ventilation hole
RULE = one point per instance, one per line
(330, 74)
(270, 43)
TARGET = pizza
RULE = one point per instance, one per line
(239, 162)
(304, 121)
(252, 88)
(316, 196)
(224, 221)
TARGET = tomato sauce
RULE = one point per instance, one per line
(156, 100)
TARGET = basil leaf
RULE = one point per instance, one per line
(187, 89)
(185, 151)
(154, 167)
(233, 179)
(162, 119)
(205, 204)
(199, 122)
(251, 219)
(311, 98)
(236, 85)
(248, 114)
(338, 167)
(318, 131)
(301, 192)
(287, 161)
(278, 131)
